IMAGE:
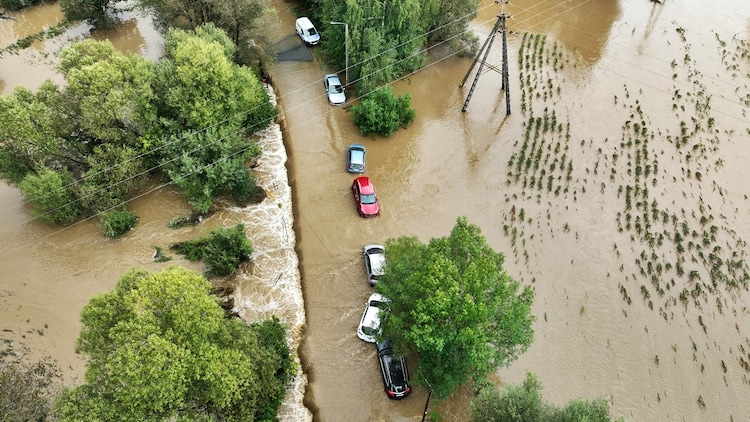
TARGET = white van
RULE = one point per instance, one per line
(306, 30)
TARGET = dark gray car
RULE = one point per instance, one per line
(393, 371)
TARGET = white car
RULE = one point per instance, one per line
(374, 261)
(334, 89)
(306, 30)
(369, 326)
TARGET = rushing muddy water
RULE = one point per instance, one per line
(617, 316)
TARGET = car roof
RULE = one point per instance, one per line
(372, 317)
(377, 261)
(304, 22)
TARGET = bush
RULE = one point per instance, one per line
(115, 223)
(20, 4)
(382, 112)
(26, 391)
(223, 250)
(49, 192)
(524, 403)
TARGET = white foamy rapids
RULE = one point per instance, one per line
(273, 285)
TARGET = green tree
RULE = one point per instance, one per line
(454, 306)
(109, 93)
(98, 13)
(524, 403)
(448, 20)
(382, 112)
(250, 24)
(159, 347)
(200, 86)
(384, 40)
(26, 390)
(33, 130)
(50, 193)
(209, 104)
(514, 403)
(223, 250)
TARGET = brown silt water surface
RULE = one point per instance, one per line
(616, 188)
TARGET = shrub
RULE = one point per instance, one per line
(27, 390)
(223, 250)
(50, 194)
(115, 223)
(382, 112)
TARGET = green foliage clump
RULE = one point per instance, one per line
(159, 347)
(454, 306)
(251, 24)
(98, 13)
(524, 403)
(382, 112)
(50, 193)
(117, 222)
(120, 117)
(26, 390)
(20, 4)
(223, 250)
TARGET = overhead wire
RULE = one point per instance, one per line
(301, 104)
(193, 133)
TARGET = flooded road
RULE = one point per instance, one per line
(650, 327)
(658, 346)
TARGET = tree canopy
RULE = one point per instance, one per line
(83, 148)
(524, 403)
(160, 347)
(454, 306)
(387, 38)
(249, 24)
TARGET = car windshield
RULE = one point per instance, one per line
(367, 198)
(311, 31)
(335, 88)
(369, 331)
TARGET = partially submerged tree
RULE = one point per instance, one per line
(250, 24)
(524, 403)
(159, 347)
(382, 112)
(98, 13)
(83, 148)
(223, 250)
(455, 307)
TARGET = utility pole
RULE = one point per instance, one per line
(506, 82)
(346, 48)
(500, 26)
(486, 47)
(427, 403)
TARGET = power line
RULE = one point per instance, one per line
(300, 104)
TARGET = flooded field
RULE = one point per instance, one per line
(615, 188)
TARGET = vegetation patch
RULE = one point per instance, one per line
(223, 250)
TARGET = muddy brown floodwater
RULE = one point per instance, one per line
(630, 222)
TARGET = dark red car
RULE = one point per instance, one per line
(364, 196)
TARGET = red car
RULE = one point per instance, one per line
(364, 195)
